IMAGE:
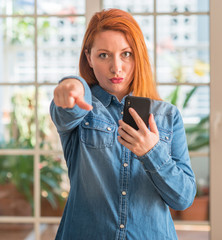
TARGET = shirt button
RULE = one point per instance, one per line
(167, 138)
(122, 112)
(121, 226)
(86, 123)
(123, 193)
(109, 129)
(125, 164)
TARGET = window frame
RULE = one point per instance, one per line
(215, 119)
(215, 123)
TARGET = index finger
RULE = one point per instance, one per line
(139, 121)
(83, 104)
(79, 100)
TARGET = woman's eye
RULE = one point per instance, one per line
(127, 54)
(103, 55)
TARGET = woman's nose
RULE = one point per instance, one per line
(116, 65)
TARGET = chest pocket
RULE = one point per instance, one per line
(97, 133)
(165, 138)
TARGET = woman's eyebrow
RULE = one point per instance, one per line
(102, 49)
(126, 48)
(99, 50)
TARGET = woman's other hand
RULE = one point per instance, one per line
(69, 93)
(138, 141)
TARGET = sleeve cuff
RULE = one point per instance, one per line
(156, 158)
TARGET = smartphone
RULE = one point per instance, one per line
(141, 105)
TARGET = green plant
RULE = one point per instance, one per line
(21, 30)
(19, 170)
(197, 134)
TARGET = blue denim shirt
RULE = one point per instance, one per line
(114, 194)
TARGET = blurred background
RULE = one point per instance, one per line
(40, 43)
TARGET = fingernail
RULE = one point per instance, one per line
(131, 109)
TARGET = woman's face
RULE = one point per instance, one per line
(112, 62)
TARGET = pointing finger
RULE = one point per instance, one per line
(82, 104)
(79, 100)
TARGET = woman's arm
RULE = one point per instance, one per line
(72, 101)
(171, 174)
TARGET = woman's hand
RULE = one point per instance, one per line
(69, 93)
(138, 141)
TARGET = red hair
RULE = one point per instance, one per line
(143, 84)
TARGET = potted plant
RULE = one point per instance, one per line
(199, 210)
(16, 175)
(197, 138)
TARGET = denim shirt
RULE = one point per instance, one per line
(114, 194)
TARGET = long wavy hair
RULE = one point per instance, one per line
(117, 20)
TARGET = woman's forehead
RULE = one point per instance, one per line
(110, 39)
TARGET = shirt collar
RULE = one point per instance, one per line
(104, 96)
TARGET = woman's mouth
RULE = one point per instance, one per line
(116, 80)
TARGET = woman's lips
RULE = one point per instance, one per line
(116, 80)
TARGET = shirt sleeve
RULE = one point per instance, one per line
(171, 173)
(66, 120)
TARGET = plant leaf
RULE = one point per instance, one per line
(188, 96)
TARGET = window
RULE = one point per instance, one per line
(40, 42)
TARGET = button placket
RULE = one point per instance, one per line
(124, 188)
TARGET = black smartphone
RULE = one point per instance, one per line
(141, 105)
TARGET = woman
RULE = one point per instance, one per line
(122, 180)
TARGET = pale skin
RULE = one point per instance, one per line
(111, 57)
(69, 93)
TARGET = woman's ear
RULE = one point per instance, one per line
(88, 57)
